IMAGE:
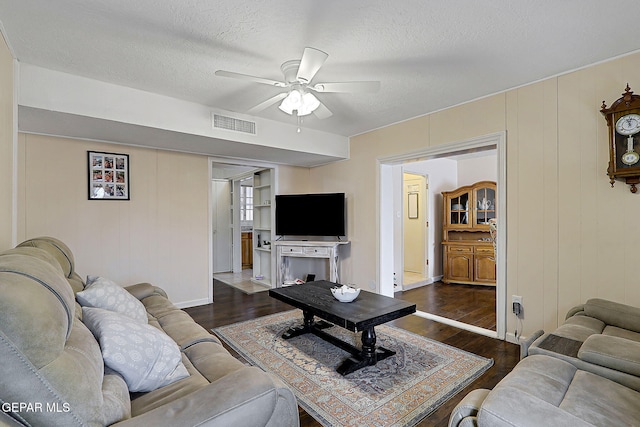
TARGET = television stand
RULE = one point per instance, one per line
(287, 250)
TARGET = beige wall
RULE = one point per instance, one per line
(292, 180)
(6, 146)
(159, 236)
(568, 236)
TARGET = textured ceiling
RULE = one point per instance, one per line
(428, 55)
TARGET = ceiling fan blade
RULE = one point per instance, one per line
(268, 103)
(322, 112)
(312, 60)
(348, 87)
(222, 73)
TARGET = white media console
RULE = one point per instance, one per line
(286, 250)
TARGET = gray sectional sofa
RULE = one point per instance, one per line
(53, 352)
(598, 336)
(585, 373)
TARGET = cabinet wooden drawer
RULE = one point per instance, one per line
(316, 251)
(292, 250)
(484, 250)
(460, 249)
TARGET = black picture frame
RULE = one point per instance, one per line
(108, 175)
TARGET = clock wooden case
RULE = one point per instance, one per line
(623, 121)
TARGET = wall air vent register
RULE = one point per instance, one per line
(233, 124)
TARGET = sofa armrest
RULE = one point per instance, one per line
(144, 290)
(244, 397)
(612, 352)
(525, 344)
(575, 310)
(466, 411)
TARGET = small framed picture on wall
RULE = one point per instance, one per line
(108, 176)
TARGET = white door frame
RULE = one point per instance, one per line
(385, 221)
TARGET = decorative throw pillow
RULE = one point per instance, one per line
(146, 358)
(104, 293)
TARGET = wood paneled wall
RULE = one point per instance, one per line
(159, 236)
(570, 236)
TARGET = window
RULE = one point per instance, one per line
(246, 203)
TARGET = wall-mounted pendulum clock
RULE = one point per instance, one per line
(623, 121)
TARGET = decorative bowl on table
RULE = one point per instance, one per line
(345, 293)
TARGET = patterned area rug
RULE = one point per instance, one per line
(398, 391)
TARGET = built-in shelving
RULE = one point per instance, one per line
(262, 225)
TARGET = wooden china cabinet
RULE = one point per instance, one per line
(468, 248)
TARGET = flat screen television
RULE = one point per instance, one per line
(320, 214)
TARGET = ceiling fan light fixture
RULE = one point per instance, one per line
(303, 103)
(291, 102)
(309, 104)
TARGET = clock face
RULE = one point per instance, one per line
(628, 125)
(630, 158)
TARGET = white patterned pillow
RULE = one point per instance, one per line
(146, 358)
(104, 293)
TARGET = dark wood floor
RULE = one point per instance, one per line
(231, 305)
(471, 304)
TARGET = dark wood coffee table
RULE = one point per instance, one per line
(361, 315)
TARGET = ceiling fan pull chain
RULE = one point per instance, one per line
(299, 123)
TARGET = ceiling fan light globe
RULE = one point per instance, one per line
(308, 105)
(303, 103)
(285, 108)
(291, 102)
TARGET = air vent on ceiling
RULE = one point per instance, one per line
(231, 123)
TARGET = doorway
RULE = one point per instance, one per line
(414, 224)
(233, 241)
(388, 237)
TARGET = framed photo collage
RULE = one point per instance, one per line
(108, 176)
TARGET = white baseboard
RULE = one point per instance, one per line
(511, 337)
(419, 284)
(192, 303)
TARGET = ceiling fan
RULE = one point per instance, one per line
(298, 76)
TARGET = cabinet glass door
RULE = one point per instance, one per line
(459, 209)
(485, 199)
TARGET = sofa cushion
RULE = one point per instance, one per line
(613, 313)
(545, 391)
(613, 352)
(145, 357)
(144, 402)
(42, 349)
(36, 253)
(580, 328)
(601, 402)
(57, 248)
(35, 298)
(614, 331)
(247, 397)
(206, 362)
(104, 293)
